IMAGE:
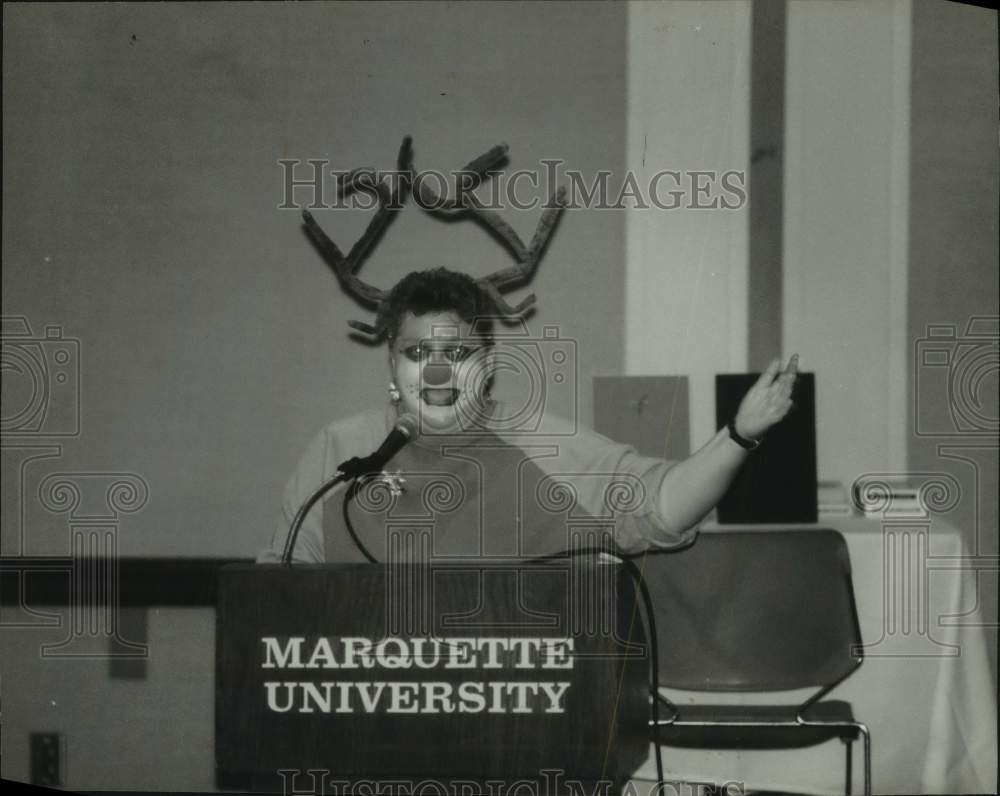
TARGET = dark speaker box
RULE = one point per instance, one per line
(777, 483)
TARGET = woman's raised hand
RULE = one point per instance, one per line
(768, 401)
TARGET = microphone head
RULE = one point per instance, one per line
(407, 425)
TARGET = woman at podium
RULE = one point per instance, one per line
(485, 478)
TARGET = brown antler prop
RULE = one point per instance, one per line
(346, 268)
(390, 201)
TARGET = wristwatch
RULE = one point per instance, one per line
(743, 442)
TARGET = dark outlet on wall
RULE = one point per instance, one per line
(45, 762)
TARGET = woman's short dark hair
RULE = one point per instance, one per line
(438, 290)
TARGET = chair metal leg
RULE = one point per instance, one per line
(866, 735)
(849, 745)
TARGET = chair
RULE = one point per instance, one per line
(752, 611)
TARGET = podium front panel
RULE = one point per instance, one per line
(450, 672)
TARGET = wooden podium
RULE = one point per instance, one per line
(457, 672)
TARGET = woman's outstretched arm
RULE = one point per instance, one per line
(694, 486)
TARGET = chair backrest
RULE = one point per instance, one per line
(755, 611)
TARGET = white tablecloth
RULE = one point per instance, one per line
(924, 690)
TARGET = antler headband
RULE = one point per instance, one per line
(390, 200)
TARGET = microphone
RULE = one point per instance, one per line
(402, 432)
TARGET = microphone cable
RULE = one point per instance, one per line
(654, 648)
(349, 495)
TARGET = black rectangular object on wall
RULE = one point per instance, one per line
(777, 483)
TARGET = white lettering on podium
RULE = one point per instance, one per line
(402, 659)
(420, 658)
(322, 656)
(558, 653)
(555, 692)
(292, 650)
(310, 691)
(492, 646)
(421, 653)
(401, 690)
(471, 693)
(486, 654)
(367, 698)
(437, 698)
(460, 653)
(344, 703)
(272, 701)
(496, 701)
(415, 697)
(357, 647)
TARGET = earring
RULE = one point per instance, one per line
(394, 394)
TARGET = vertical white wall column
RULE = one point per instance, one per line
(846, 209)
(686, 268)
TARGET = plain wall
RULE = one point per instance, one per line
(953, 273)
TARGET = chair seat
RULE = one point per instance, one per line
(763, 726)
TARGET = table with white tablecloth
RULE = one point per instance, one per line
(925, 689)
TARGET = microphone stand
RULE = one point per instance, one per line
(351, 470)
(300, 515)
(354, 469)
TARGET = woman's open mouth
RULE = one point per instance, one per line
(439, 396)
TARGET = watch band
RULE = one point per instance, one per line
(743, 442)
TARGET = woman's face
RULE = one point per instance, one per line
(440, 370)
